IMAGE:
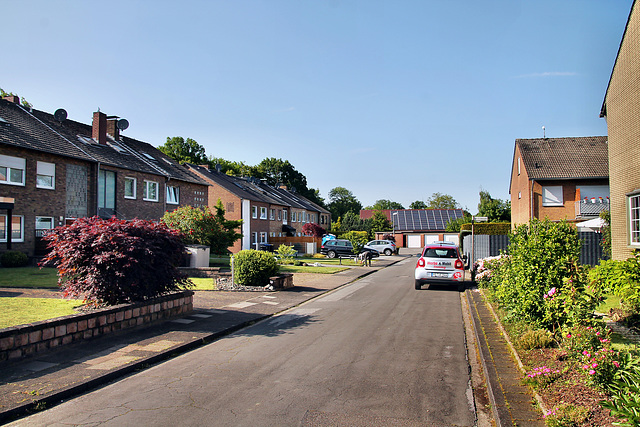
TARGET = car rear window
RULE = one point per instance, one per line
(440, 253)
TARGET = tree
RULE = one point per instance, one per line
(379, 222)
(201, 226)
(281, 172)
(494, 209)
(342, 201)
(384, 204)
(418, 204)
(116, 261)
(182, 151)
(311, 229)
(442, 201)
(231, 168)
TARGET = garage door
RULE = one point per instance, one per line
(431, 238)
(414, 241)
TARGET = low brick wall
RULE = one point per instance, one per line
(203, 272)
(25, 340)
(282, 281)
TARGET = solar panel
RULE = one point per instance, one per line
(424, 220)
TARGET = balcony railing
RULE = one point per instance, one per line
(591, 207)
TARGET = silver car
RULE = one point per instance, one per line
(386, 247)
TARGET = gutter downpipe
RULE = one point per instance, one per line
(533, 182)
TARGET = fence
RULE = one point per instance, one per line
(302, 244)
(485, 246)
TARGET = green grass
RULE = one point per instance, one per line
(611, 301)
(310, 269)
(20, 311)
(202, 284)
(28, 277)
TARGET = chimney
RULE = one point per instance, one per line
(12, 98)
(112, 127)
(99, 128)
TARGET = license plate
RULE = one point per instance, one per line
(439, 275)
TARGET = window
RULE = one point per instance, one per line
(272, 214)
(634, 219)
(12, 170)
(46, 175)
(16, 228)
(518, 165)
(43, 223)
(106, 190)
(279, 215)
(284, 216)
(254, 212)
(150, 191)
(173, 195)
(519, 194)
(263, 213)
(129, 188)
(552, 196)
(263, 237)
(230, 206)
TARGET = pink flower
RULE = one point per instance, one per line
(616, 364)
(592, 372)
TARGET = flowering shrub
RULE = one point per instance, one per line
(541, 376)
(624, 389)
(578, 338)
(203, 227)
(485, 269)
(566, 416)
(600, 366)
(116, 261)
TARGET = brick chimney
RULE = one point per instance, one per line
(12, 98)
(112, 127)
(99, 128)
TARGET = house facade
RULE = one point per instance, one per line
(56, 170)
(559, 179)
(621, 109)
(268, 213)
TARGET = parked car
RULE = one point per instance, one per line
(440, 262)
(342, 247)
(386, 247)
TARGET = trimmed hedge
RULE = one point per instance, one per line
(489, 228)
(254, 268)
(12, 259)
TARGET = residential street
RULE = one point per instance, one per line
(375, 352)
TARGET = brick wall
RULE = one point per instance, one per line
(623, 122)
(520, 192)
(26, 340)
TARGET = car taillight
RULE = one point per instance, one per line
(459, 265)
(420, 262)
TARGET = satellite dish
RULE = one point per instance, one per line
(60, 115)
(123, 124)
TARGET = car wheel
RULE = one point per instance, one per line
(387, 252)
(418, 285)
(331, 254)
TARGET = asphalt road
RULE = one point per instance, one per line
(373, 353)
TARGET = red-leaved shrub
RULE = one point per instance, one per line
(115, 261)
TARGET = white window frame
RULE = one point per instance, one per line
(552, 195)
(12, 164)
(263, 237)
(263, 212)
(3, 221)
(135, 187)
(272, 214)
(145, 192)
(46, 170)
(173, 195)
(254, 212)
(633, 203)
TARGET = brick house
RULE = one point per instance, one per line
(559, 179)
(621, 109)
(267, 212)
(56, 170)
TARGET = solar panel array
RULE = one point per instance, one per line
(423, 220)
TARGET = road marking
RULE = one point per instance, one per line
(344, 292)
(271, 302)
(202, 316)
(269, 296)
(183, 321)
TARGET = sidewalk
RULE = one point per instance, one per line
(44, 380)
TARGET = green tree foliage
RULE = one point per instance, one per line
(184, 151)
(23, 101)
(622, 278)
(342, 201)
(254, 268)
(454, 226)
(495, 209)
(232, 168)
(384, 204)
(358, 239)
(442, 201)
(418, 204)
(606, 232)
(203, 227)
(353, 222)
(116, 261)
(312, 229)
(379, 222)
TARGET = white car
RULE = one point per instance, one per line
(440, 262)
(386, 247)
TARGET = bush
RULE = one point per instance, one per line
(203, 227)
(358, 239)
(286, 254)
(622, 278)
(624, 389)
(539, 338)
(11, 259)
(541, 255)
(115, 261)
(254, 268)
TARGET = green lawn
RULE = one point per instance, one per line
(19, 311)
(28, 277)
(310, 269)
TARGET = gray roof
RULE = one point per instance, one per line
(565, 158)
(40, 131)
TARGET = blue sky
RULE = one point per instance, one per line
(391, 99)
